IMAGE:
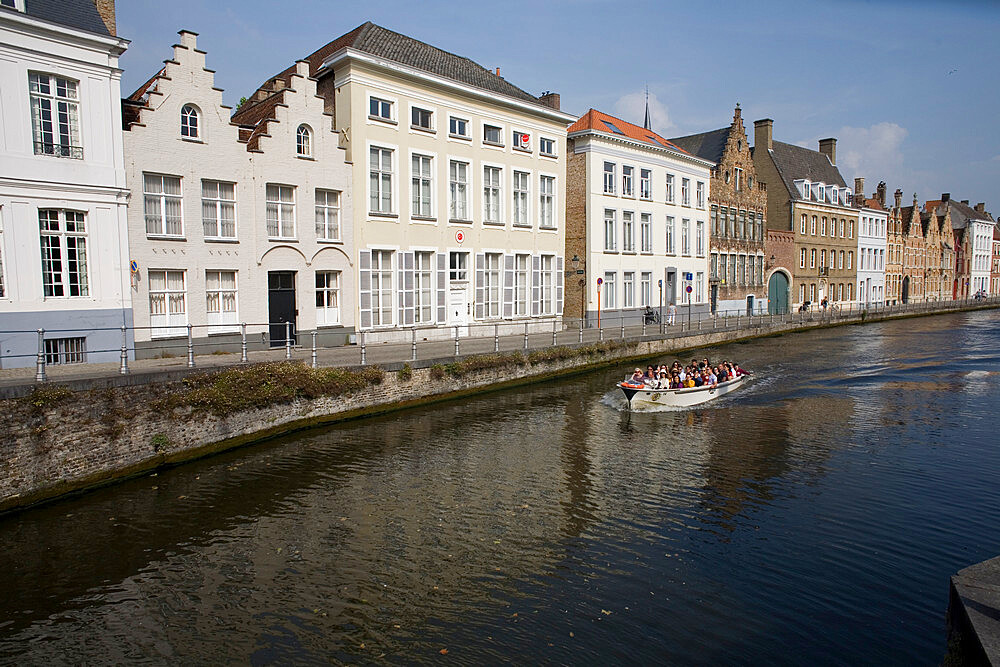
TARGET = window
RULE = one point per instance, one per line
(699, 238)
(685, 192)
(645, 183)
(628, 289)
(458, 266)
(822, 258)
(492, 135)
(303, 141)
(521, 140)
(738, 180)
(381, 287)
(492, 195)
(547, 146)
(64, 252)
(822, 227)
(521, 264)
(327, 215)
(546, 202)
(547, 270)
(66, 350)
(521, 193)
(55, 115)
(609, 291)
(458, 127)
(2, 292)
(421, 118)
(714, 218)
(162, 205)
(13, 4)
(379, 108)
(646, 289)
(670, 235)
(742, 269)
(751, 230)
(458, 190)
(714, 266)
(423, 288)
(812, 258)
(751, 273)
(491, 284)
(327, 298)
(850, 257)
(812, 226)
(699, 287)
(189, 122)
(802, 258)
(812, 292)
(685, 237)
(609, 230)
(380, 182)
(220, 299)
(802, 224)
(670, 188)
(609, 178)
(218, 209)
(167, 303)
(700, 194)
(420, 186)
(280, 211)
(646, 232)
(628, 231)
(850, 227)
(802, 293)
(627, 173)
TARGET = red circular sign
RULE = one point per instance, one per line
(525, 138)
(460, 236)
(689, 289)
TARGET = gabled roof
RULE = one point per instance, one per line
(707, 145)
(873, 204)
(962, 213)
(79, 14)
(794, 162)
(598, 121)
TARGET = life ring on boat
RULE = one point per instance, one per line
(629, 385)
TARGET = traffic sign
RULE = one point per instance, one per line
(460, 236)
(600, 281)
(689, 276)
(134, 266)
(689, 289)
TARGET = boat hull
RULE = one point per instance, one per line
(678, 398)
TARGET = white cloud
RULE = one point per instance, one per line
(632, 107)
(995, 158)
(872, 152)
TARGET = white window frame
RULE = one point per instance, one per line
(520, 211)
(546, 201)
(161, 198)
(628, 232)
(327, 214)
(517, 141)
(417, 113)
(646, 233)
(610, 230)
(670, 188)
(646, 289)
(645, 184)
(686, 237)
(492, 285)
(492, 175)
(522, 284)
(458, 266)
(218, 204)
(303, 141)
(670, 236)
(498, 143)
(421, 185)
(628, 289)
(610, 302)
(382, 288)
(55, 116)
(327, 291)
(610, 177)
(455, 120)
(383, 103)
(547, 286)
(380, 202)
(64, 253)
(628, 180)
(458, 191)
(699, 238)
(283, 210)
(685, 192)
(221, 304)
(424, 302)
(542, 142)
(172, 322)
(190, 122)
(700, 194)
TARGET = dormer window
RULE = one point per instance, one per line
(802, 186)
(189, 122)
(303, 141)
(13, 4)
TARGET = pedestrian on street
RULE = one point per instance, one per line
(671, 313)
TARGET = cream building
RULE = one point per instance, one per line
(235, 222)
(459, 177)
(638, 220)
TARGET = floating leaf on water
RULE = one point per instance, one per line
(605, 612)
(443, 651)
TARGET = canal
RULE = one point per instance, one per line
(812, 517)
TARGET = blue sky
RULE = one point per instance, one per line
(910, 89)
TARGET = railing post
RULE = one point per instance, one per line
(600, 331)
(40, 360)
(288, 340)
(623, 327)
(243, 343)
(123, 369)
(314, 360)
(644, 326)
(496, 337)
(699, 321)
(190, 346)
(581, 329)
(456, 340)
(363, 360)
(526, 335)
(554, 323)
(413, 344)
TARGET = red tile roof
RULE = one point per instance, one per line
(873, 203)
(597, 121)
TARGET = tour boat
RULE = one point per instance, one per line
(642, 396)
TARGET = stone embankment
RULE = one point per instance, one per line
(66, 437)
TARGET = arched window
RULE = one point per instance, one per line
(303, 141)
(189, 122)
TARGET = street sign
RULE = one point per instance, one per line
(689, 289)
(600, 281)
(460, 236)
(134, 266)
(688, 276)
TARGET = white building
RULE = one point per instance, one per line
(459, 177)
(873, 221)
(638, 218)
(63, 256)
(236, 223)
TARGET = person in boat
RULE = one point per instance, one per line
(650, 375)
(711, 378)
(705, 364)
(664, 382)
(636, 377)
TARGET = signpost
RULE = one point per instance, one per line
(600, 281)
(688, 277)
(660, 282)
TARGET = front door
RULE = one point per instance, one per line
(670, 287)
(906, 289)
(715, 298)
(777, 294)
(281, 306)
(458, 308)
(750, 304)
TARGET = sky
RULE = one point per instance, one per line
(910, 88)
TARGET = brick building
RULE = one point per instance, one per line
(972, 231)
(738, 204)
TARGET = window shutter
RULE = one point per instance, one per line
(508, 286)
(404, 283)
(480, 279)
(558, 280)
(442, 277)
(365, 288)
(536, 284)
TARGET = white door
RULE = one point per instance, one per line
(458, 309)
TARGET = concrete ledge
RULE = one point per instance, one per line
(974, 615)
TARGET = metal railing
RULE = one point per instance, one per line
(406, 344)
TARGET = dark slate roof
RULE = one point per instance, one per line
(79, 14)
(962, 213)
(794, 162)
(707, 145)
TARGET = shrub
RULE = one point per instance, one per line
(46, 395)
(437, 371)
(405, 373)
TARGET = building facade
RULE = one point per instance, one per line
(235, 222)
(995, 265)
(637, 222)
(63, 258)
(873, 222)
(738, 204)
(973, 231)
(807, 195)
(460, 182)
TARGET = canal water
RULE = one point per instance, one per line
(812, 517)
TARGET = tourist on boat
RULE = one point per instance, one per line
(711, 378)
(636, 377)
(650, 374)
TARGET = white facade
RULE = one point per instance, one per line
(872, 248)
(646, 226)
(982, 251)
(62, 193)
(230, 224)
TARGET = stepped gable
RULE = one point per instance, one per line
(79, 14)
(598, 121)
(708, 145)
(795, 162)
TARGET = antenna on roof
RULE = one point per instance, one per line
(646, 123)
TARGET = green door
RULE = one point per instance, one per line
(777, 294)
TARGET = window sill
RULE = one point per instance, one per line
(520, 225)
(494, 223)
(645, 198)
(331, 325)
(380, 119)
(523, 150)
(610, 252)
(337, 241)
(376, 214)
(283, 239)
(491, 144)
(548, 155)
(628, 252)
(549, 229)
(193, 140)
(306, 157)
(425, 130)
(461, 137)
(165, 237)
(461, 221)
(611, 193)
(423, 218)
(220, 239)
(646, 252)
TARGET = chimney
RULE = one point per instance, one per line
(880, 194)
(899, 198)
(738, 113)
(498, 71)
(946, 196)
(859, 189)
(763, 133)
(981, 207)
(550, 100)
(828, 147)
(965, 201)
(106, 8)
